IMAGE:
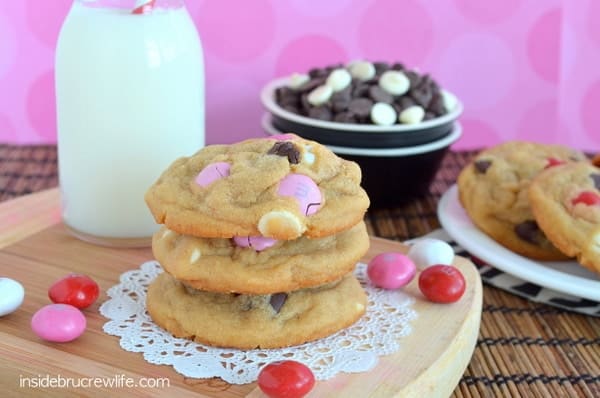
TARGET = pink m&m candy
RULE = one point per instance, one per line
(391, 270)
(58, 323)
(258, 243)
(212, 173)
(304, 189)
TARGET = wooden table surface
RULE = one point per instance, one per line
(523, 348)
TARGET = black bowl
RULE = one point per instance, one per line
(357, 135)
(393, 176)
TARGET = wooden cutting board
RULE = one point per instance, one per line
(36, 250)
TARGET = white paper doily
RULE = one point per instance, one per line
(352, 350)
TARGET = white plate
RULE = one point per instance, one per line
(564, 276)
(379, 152)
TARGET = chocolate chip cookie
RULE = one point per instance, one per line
(279, 187)
(255, 266)
(246, 321)
(493, 189)
(566, 204)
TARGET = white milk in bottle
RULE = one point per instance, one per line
(130, 100)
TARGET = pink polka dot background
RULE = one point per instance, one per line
(524, 69)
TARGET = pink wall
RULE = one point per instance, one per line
(525, 69)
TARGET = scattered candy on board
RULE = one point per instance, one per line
(11, 295)
(286, 379)
(442, 283)
(80, 291)
(58, 323)
(391, 270)
(427, 252)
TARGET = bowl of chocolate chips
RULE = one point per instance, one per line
(397, 124)
(362, 105)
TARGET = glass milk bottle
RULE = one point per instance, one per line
(130, 100)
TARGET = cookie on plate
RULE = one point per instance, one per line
(255, 321)
(493, 189)
(258, 265)
(566, 203)
(279, 187)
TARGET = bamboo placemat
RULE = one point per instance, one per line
(524, 349)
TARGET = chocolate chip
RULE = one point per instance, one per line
(397, 66)
(341, 99)
(380, 67)
(318, 72)
(596, 179)
(360, 90)
(422, 95)
(286, 96)
(378, 94)
(277, 301)
(429, 115)
(286, 148)
(320, 112)
(436, 105)
(413, 77)
(404, 102)
(360, 107)
(345, 117)
(528, 231)
(482, 165)
(311, 85)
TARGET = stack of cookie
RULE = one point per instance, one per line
(541, 201)
(259, 244)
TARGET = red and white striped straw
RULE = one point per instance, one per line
(143, 6)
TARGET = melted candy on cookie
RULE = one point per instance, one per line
(304, 189)
(588, 198)
(286, 149)
(258, 243)
(482, 165)
(212, 173)
(554, 162)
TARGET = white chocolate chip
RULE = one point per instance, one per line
(320, 95)
(360, 307)
(296, 80)
(394, 82)
(383, 114)
(166, 233)
(412, 115)
(449, 100)
(308, 157)
(362, 70)
(195, 256)
(280, 224)
(339, 79)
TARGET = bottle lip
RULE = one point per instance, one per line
(129, 4)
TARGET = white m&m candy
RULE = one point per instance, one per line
(11, 295)
(394, 82)
(427, 252)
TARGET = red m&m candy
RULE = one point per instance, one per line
(77, 290)
(442, 283)
(286, 379)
